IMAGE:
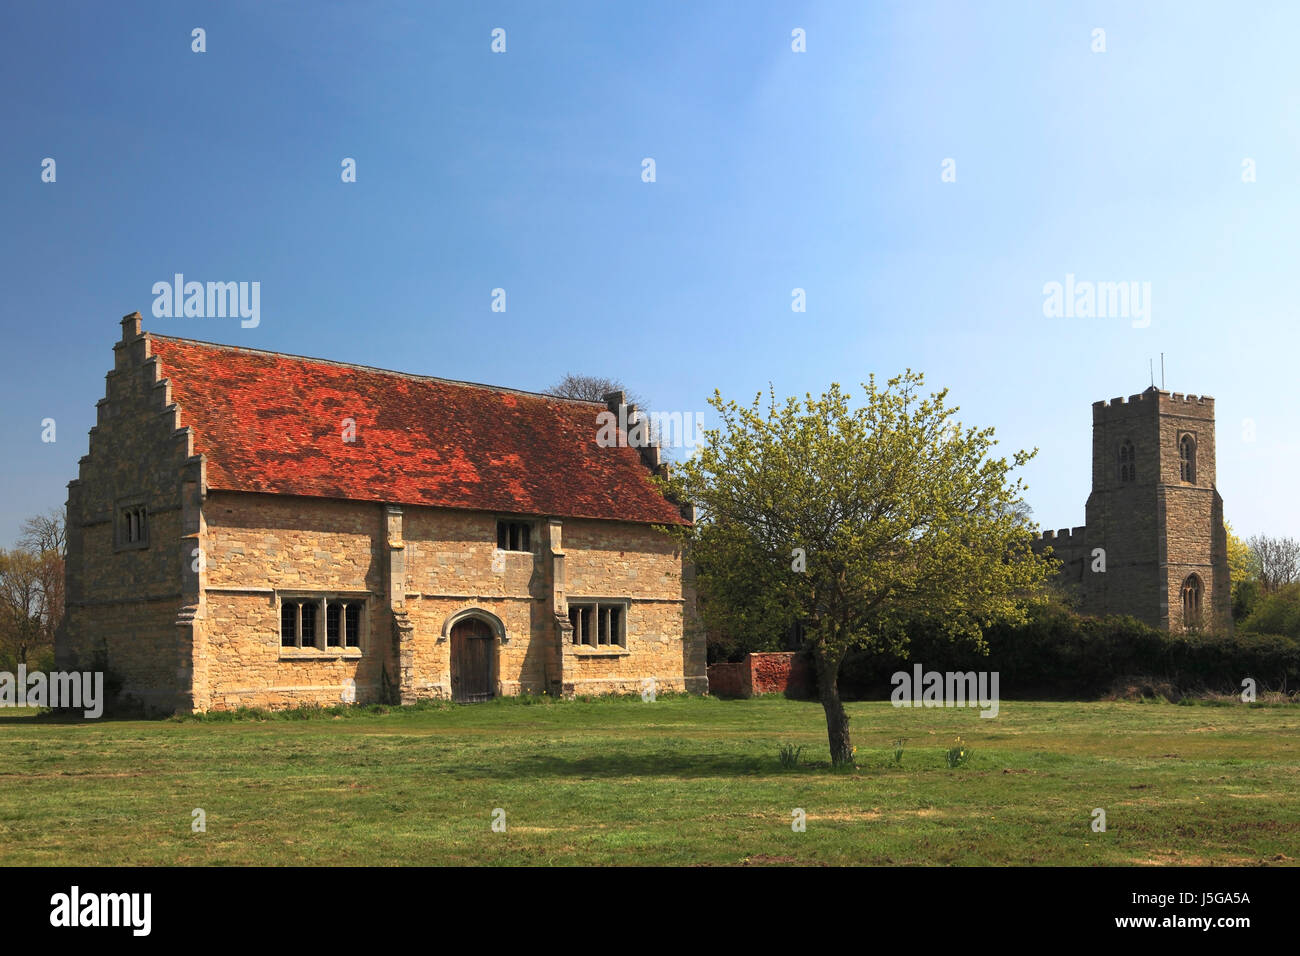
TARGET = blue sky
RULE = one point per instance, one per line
(775, 170)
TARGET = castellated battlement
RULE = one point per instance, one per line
(1065, 537)
(1120, 407)
(1121, 400)
(1150, 402)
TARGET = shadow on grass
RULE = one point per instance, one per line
(624, 764)
(47, 717)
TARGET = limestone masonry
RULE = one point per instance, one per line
(1154, 545)
(258, 529)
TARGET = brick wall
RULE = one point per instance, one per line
(730, 679)
(767, 672)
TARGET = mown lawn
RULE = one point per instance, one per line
(676, 781)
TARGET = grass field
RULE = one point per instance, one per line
(676, 781)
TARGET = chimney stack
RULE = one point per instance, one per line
(130, 326)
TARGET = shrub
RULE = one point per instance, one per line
(1276, 613)
(1058, 653)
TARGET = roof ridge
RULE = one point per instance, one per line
(375, 368)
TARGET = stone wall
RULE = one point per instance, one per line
(1069, 547)
(257, 549)
(1192, 512)
(617, 560)
(450, 569)
(125, 600)
(1123, 517)
(1156, 529)
(260, 545)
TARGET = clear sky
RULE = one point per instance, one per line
(775, 170)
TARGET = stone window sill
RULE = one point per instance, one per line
(315, 654)
(601, 652)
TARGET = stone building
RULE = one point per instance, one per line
(1154, 545)
(260, 529)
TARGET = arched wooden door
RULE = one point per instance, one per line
(471, 660)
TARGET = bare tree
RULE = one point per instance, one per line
(1275, 561)
(47, 532)
(1021, 511)
(592, 388)
(22, 628)
(45, 539)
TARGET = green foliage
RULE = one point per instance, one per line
(1276, 613)
(856, 523)
(1246, 596)
(1243, 575)
(898, 751)
(790, 756)
(38, 659)
(898, 512)
(1241, 563)
(1057, 653)
(957, 755)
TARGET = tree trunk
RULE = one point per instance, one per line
(837, 721)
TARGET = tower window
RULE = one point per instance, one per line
(1192, 601)
(1187, 458)
(1127, 462)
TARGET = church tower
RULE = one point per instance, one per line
(1155, 514)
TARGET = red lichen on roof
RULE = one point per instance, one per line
(274, 424)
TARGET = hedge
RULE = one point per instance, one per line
(1060, 654)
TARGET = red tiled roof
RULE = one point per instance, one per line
(273, 423)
